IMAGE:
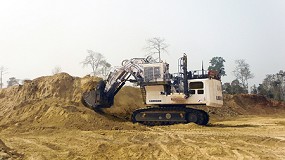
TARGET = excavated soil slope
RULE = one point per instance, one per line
(245, 104)
(55, 102)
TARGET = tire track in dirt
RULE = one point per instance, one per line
(162, 133)
(177, 136)
(238, 149)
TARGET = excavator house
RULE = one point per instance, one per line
(169, 98)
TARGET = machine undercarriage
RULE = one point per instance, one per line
(169, 115)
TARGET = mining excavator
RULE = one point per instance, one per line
(169, 98)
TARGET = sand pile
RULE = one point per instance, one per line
(53, 102)
(126, 101)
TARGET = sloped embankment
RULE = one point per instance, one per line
(54, 102)
(247, 104)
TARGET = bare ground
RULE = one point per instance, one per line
(250, 137)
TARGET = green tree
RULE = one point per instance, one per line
(261, 90)
(217, 64)
(227, 88)
(237, 87)
(273, 86)
(233, 88)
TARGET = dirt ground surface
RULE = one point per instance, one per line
(44, 119)
(248, 137)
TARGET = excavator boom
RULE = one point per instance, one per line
(103, 95)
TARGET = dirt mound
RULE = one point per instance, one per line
(127, 100)
(53, 102)
(247, 104)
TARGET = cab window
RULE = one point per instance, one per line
(196, 85)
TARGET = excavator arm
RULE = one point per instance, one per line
(103, 95)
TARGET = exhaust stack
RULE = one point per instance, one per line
(185, 77)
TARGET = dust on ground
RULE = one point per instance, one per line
(44, 119)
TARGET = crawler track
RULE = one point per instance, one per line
(169, 115)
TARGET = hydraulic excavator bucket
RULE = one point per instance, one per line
(97, 98)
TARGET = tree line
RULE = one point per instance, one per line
(272, 86)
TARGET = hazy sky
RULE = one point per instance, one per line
(37, 35)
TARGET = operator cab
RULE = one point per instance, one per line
(156, 72)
